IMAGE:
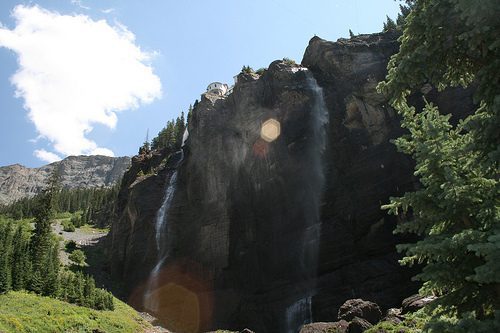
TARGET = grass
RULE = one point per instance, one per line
(90, 228)
(413, 323)
(22, 312)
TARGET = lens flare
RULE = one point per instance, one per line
(271, 130)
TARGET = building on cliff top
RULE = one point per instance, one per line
(217, 88)
(220, 89)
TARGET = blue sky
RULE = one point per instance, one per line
(168, 52)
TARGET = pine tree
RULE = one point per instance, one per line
(189, 114)
(51, 283)
(180, 126)
(456, 210)
(20, 260)
(41, 241)
(5, 249)
(389, 25)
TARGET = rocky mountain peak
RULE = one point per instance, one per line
(18, 181)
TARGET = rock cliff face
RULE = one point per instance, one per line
(17, 181)
(268, 235)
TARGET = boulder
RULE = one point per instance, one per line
(393, 315)
(340, 326)
(415, 302)
(359, 325)
(362, 309)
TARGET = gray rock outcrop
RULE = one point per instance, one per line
(358, 308)
(17, 181)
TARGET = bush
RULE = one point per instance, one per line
(247, 70)
(261, 71)
(78, 257)
(77, 220)
(68, 226)
(70, 246)
(289, 61)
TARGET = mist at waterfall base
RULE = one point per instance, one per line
(162, 293)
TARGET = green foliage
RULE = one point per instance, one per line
(289, 61)
(44, 264)
(21, 312)
(261, 71)
(247, 70)
(389, 25)
(80, 289)
(70, 246)
(78, 257)
(83, 206)
(5, 254)
(170, 137)
(29, 260)
(351, 34)
(77, 220)
(21, 265)
(456, 211)
(68, 226)
(398, 25)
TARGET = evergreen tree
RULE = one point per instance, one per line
(78, 258)
(41, 240)
(189, 114)
(389, 25)
(456, 211)
(5, 250)
(20, 260)
(51, 283)
(180, 126)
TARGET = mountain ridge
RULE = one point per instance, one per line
(18, 181)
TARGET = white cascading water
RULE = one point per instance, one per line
(298, 314)
(299, 311)
(185, 136)
(151, 303)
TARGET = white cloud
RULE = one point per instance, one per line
(75, 72)
(46, 156)
(107, 11)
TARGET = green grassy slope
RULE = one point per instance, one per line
(28, 313)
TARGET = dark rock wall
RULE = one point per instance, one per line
(246, 244)
(357, 254)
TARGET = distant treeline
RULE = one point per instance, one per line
(96, 204)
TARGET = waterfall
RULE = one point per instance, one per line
(185, 136)
(299, 311)
(161, 220)
(150, 302)
(298, 314)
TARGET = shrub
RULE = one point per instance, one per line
(247, 70)
(68, 226)
(70, 246)
(261, 71)
(78, 257)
